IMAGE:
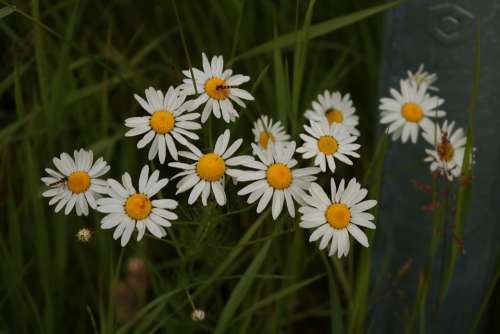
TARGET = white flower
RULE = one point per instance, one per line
(265, 129)
(76, 182)
(166, 124)
(449, 148)
(217, 88)
(326, 142)
(336, 217)
(128, 209)
(276, 177)
(335, 109)
(409, 110)
(208, 170)
(421, 76)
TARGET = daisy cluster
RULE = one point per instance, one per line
(412, 111)
(271, 176)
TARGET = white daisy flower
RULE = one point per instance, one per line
(128, 209)
(409, 111)
(166, 124)
(421, 76)
(208, 170)
(76, 182)
(217, 88)
(275, 176)
(449, 147)
(265, 129)
(328, 142)
(335, 108)
(335, 217)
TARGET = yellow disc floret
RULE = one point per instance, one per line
(210, 167)
(216, 88)
(162, 122)
(334, 116)
(264, 139)
(279, 176)
(338, 215)
(327, 145)
(138, 206)
(412, 112)
(78, 182)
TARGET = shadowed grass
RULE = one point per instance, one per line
(71, 70)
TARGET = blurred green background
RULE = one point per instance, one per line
(69, 71)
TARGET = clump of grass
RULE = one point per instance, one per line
(72, 68)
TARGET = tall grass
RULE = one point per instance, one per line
(71, 68)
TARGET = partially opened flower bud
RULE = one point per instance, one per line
(84, 235)
(198, 315)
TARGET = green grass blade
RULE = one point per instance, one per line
(241, 290)
(336, 321)
(281, 85)
(279, 295)
(233, 255)
(374, 176)
(485, 302)
(317, 30)
(6, 11)
(299, 65)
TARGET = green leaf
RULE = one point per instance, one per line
(6, 11)
(241, 290)
(316, 30)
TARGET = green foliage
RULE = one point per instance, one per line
(71, 68)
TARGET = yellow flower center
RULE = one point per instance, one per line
(264, 139)
(327, 145)
(78, 182)
(216, 88)
(334, 116)
(279, 176)
(138, 206)
(210, 167)
(445, 151)
(338, 215)
(162, 121)
(412, 112)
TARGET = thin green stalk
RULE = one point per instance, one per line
(358, 306)
(486, 300)
(465, 186)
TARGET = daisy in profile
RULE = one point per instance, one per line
(409, 111)
(166, 123)
(335, 217)
(335, 108)
(76, 182)
(206, 173)
(217, 87)
(265, 130)
(128, 209)
(449, 147)
(421, 76)
(275, 177)
(326, 143)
